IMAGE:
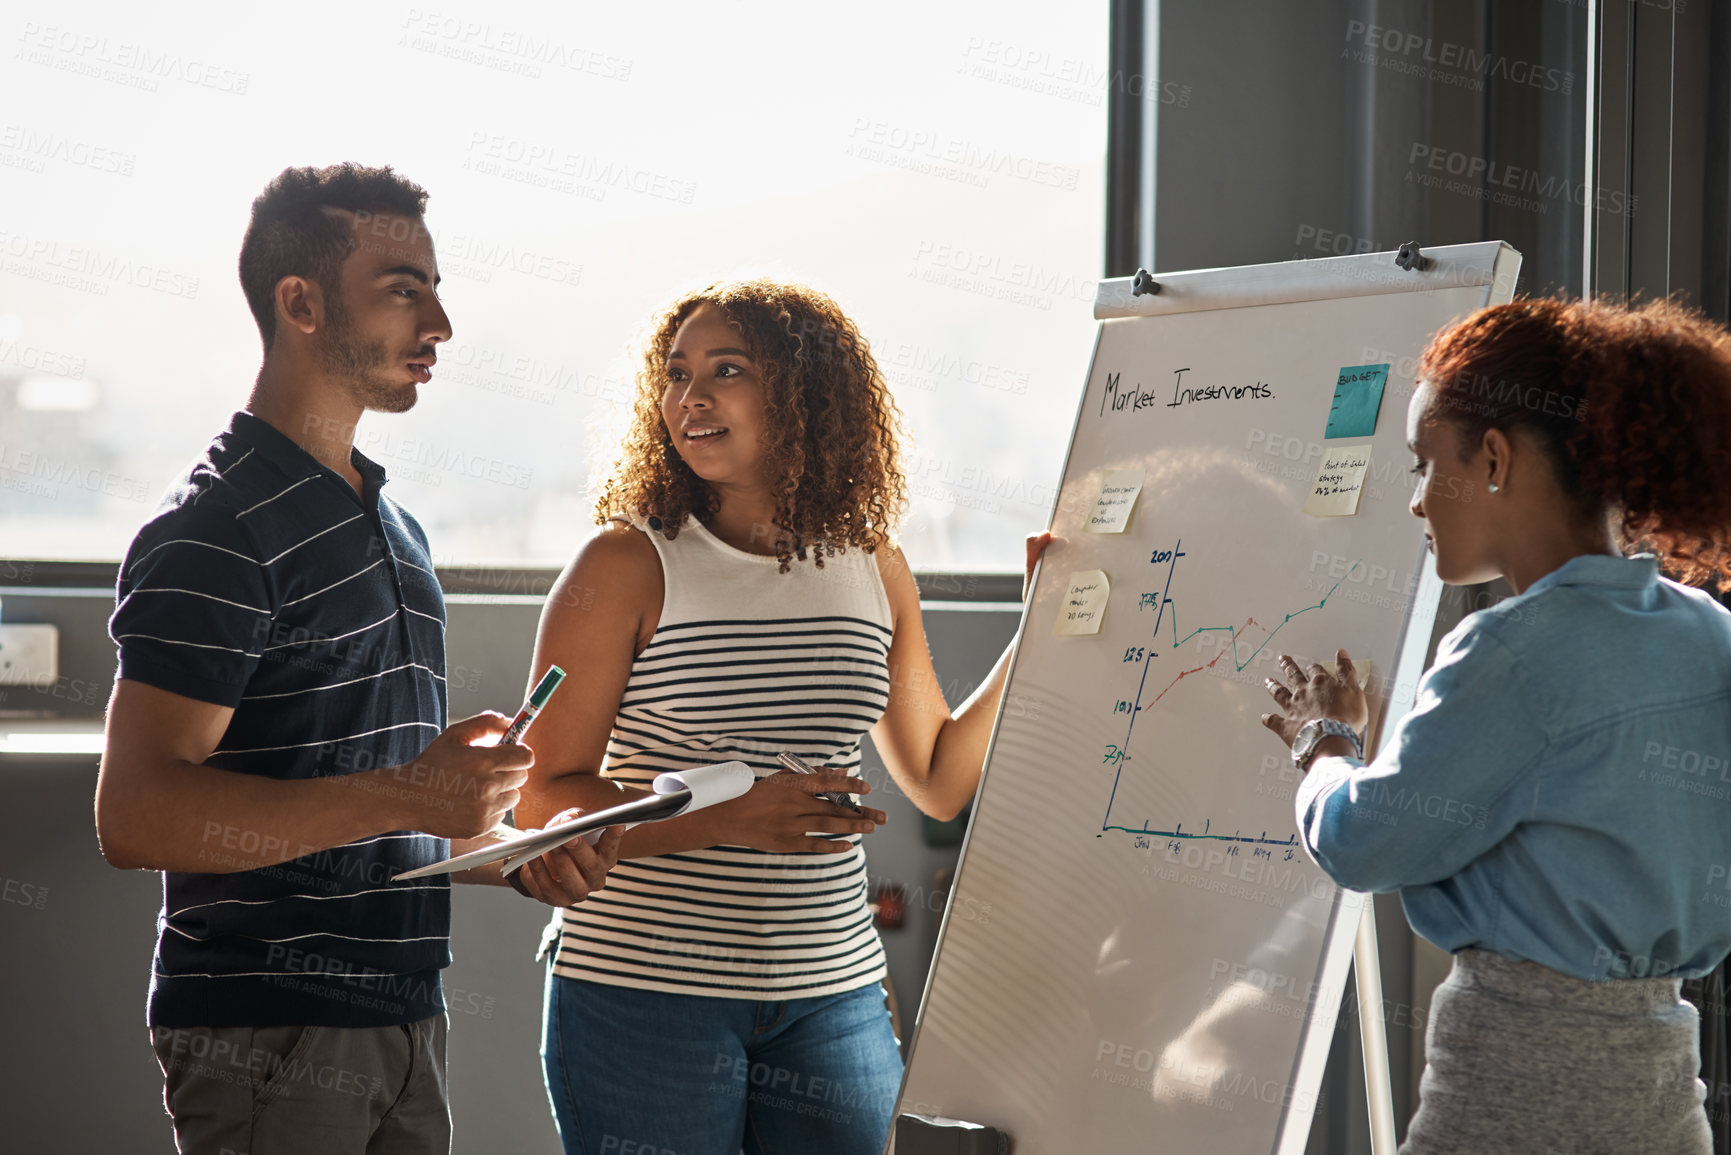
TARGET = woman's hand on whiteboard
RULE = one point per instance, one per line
(1316, 692)
(1037, 543)
(781, 813)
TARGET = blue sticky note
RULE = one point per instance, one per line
(1357, 397)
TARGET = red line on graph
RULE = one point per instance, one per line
(1209, 665)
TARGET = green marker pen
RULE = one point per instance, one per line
(537, 698)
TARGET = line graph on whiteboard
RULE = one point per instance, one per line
(1242, 644)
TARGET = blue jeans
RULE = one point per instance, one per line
(658, 1074)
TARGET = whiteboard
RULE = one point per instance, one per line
(1137, 954)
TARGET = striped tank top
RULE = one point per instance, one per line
(745, 662)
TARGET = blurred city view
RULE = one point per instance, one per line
(584, 167)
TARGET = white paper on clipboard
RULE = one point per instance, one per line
(679, 792)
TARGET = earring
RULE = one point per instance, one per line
(1494, 487)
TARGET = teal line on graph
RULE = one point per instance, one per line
(1166, 600)
(1136, 710)
(1177, 641)
(1179, 833)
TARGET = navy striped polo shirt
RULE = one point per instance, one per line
(264, 582)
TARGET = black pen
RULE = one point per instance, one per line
(794, 763)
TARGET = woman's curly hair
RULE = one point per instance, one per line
(1631, 404)
(831, 434)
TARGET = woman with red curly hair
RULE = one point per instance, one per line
(1570, 749)
(744, 599)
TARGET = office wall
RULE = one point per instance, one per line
(77, 1074)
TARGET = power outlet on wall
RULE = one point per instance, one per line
(29, 655)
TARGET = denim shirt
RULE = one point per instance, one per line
(1561, 790)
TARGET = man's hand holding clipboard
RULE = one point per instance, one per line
(571, 871)
(676, 792)
(568, 858)
(563, 874)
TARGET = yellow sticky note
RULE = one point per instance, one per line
(1339, 481)
(1084, 605)
(1117, 498)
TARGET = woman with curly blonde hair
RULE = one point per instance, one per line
(744, 598)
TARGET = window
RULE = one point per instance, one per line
(936, 168)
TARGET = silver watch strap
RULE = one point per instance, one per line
(1331, 728)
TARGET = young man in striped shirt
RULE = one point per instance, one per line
(277, 741)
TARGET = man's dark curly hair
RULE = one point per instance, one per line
(831, 434)
(293, 235)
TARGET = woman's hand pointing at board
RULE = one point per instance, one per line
(1316, 693)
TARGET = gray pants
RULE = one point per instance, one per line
(306, 1090)
(1522, 1059)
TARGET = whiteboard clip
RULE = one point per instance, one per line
(1143, 282)
(1409, 257)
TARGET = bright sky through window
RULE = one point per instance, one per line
(937, 168)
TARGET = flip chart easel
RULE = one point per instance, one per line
(1137, 954)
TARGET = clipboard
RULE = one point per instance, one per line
(676, 792)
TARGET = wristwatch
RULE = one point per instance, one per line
(1314, 731)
